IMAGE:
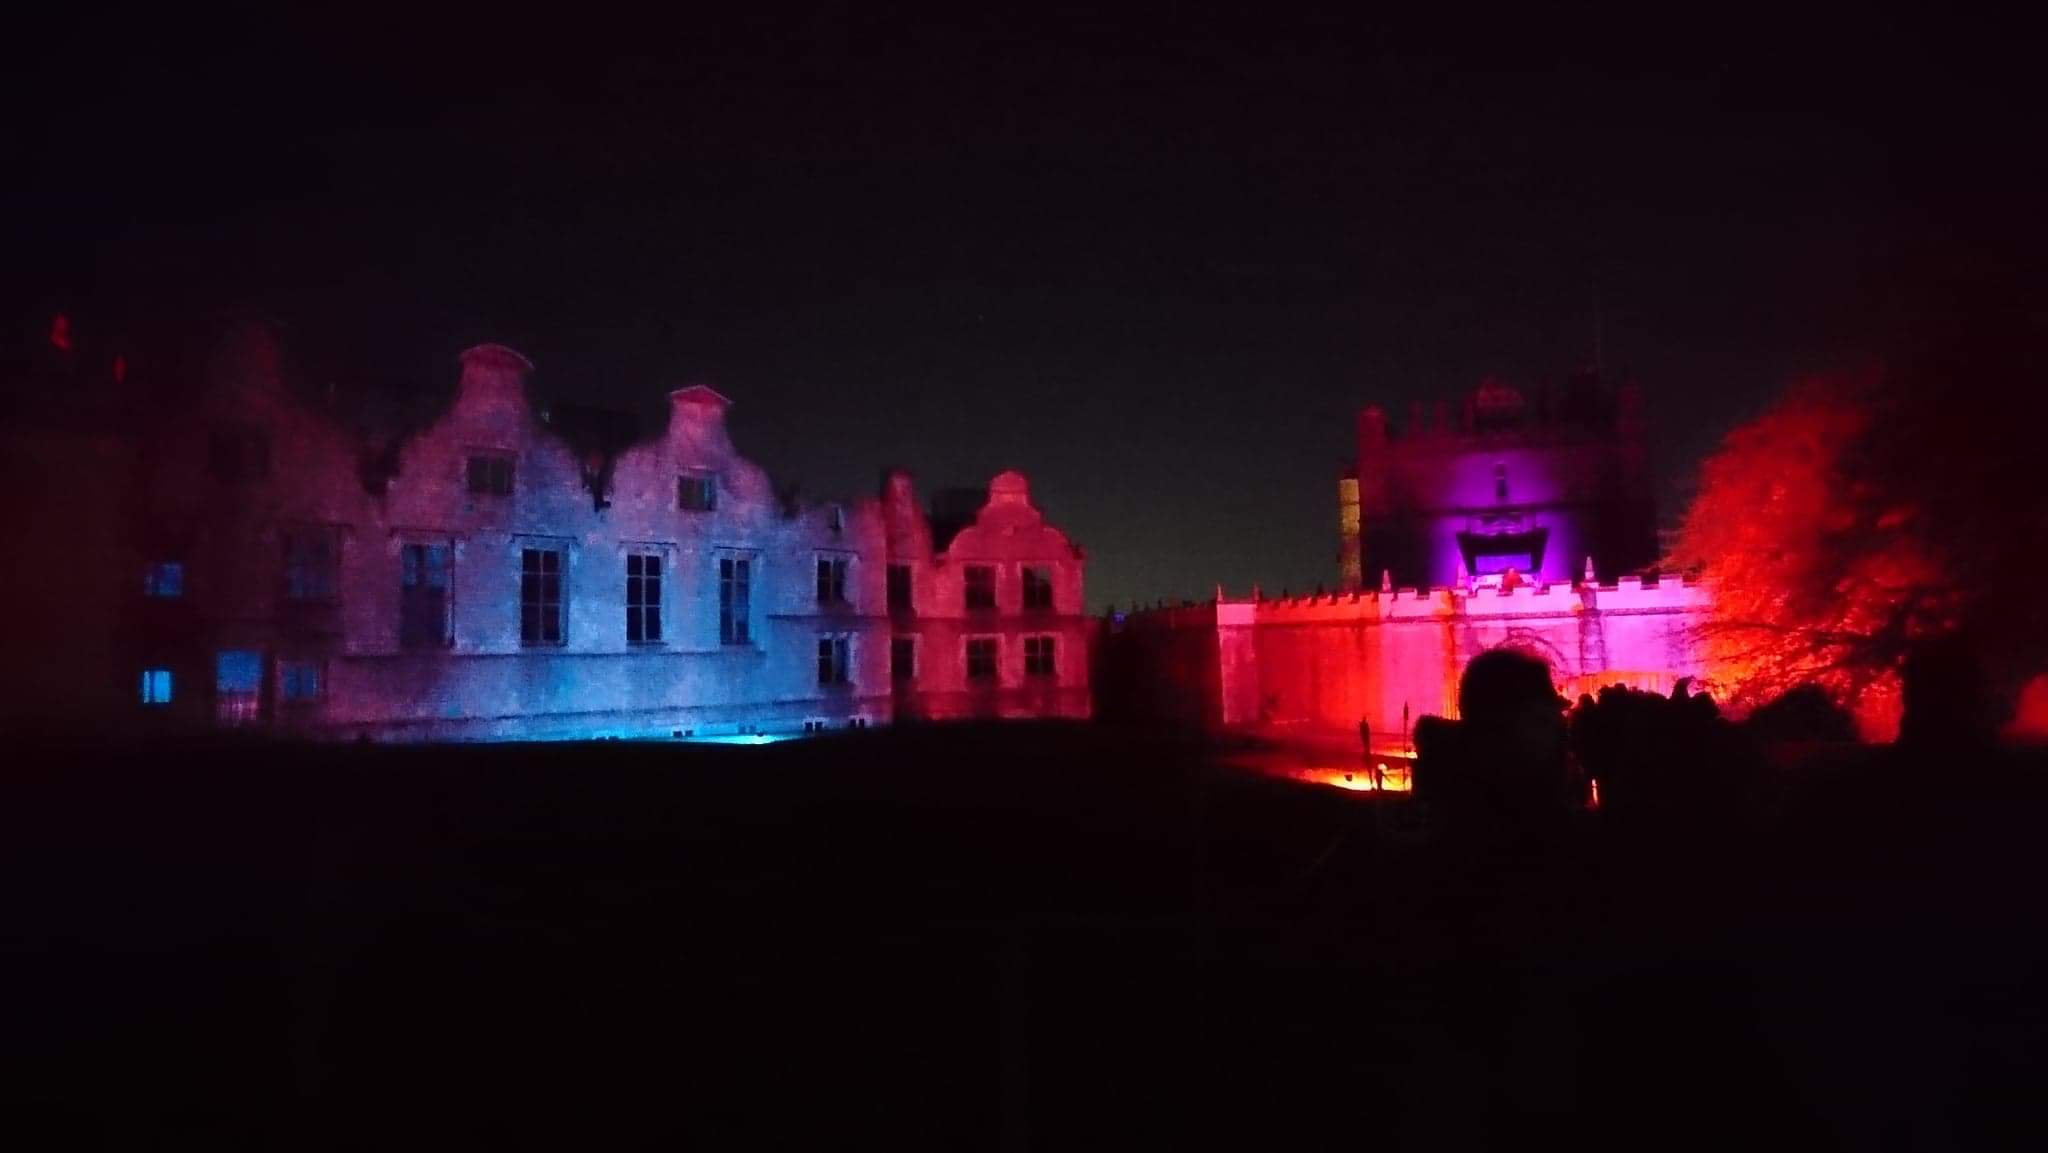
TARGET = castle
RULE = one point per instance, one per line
(244, 559)
(241, 557)
(1452, 540)
(1537, 487)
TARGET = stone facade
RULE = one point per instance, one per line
(1453, 539)
(485, 578)
(1006, 583)
(1328, 662)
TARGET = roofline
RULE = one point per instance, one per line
(498, 350)
(683, 395)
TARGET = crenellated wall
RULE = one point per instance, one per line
(1389, 658)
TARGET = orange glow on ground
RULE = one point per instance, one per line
(1395, 777)
(1325, 759)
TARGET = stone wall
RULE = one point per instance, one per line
(1389, 658)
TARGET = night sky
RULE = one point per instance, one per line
(1156, 262)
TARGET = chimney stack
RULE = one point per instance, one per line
(493, 376)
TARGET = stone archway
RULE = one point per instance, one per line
(1532, 643)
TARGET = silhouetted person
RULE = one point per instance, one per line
(1502, 767)
(1515, 722)
(1946, 701)
(1504, 887)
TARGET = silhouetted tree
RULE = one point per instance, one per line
(1666, 764)
(1805, 713)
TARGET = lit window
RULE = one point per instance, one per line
(1037, 588)
(832, 580)
(299, 682)
(899, 588)
(156, 686)
(423, 596)
(981, 659)
(981, 588)
(540, 596)
(237, 685)
(697, 492)
(643, 598)
(734, 599)
(832, 660)
(1038, 660)
(312, 564)
(165, 579)
(902, 660)
(490, 475)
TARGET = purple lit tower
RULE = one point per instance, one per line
(1541, 485)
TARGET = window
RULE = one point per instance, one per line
(423, 596)
(238, 671)
(981, 588)
(697, 492)
(734, 599)
(981, 659)
(832, 660)
(1037, 587)
(832, 580)
(156, 686)
(312, 564)
(238, 454)
(899, 588)
(902, 660)
(299, 682)
(165, 579)
(540, 596)
(1038, 657)
(237, 685)
(490, 475)
(643, 598)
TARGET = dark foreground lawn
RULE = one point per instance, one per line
(1008, 938)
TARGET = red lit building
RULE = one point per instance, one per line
(987, 578)
(1524, 523)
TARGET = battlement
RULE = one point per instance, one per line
(1387, 656)
(1525, 600)
(1666, 592)
(1669, 592)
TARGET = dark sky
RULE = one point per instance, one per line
(1156, 262)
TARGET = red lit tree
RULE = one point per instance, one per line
(1860, 517)
(1817, 575)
